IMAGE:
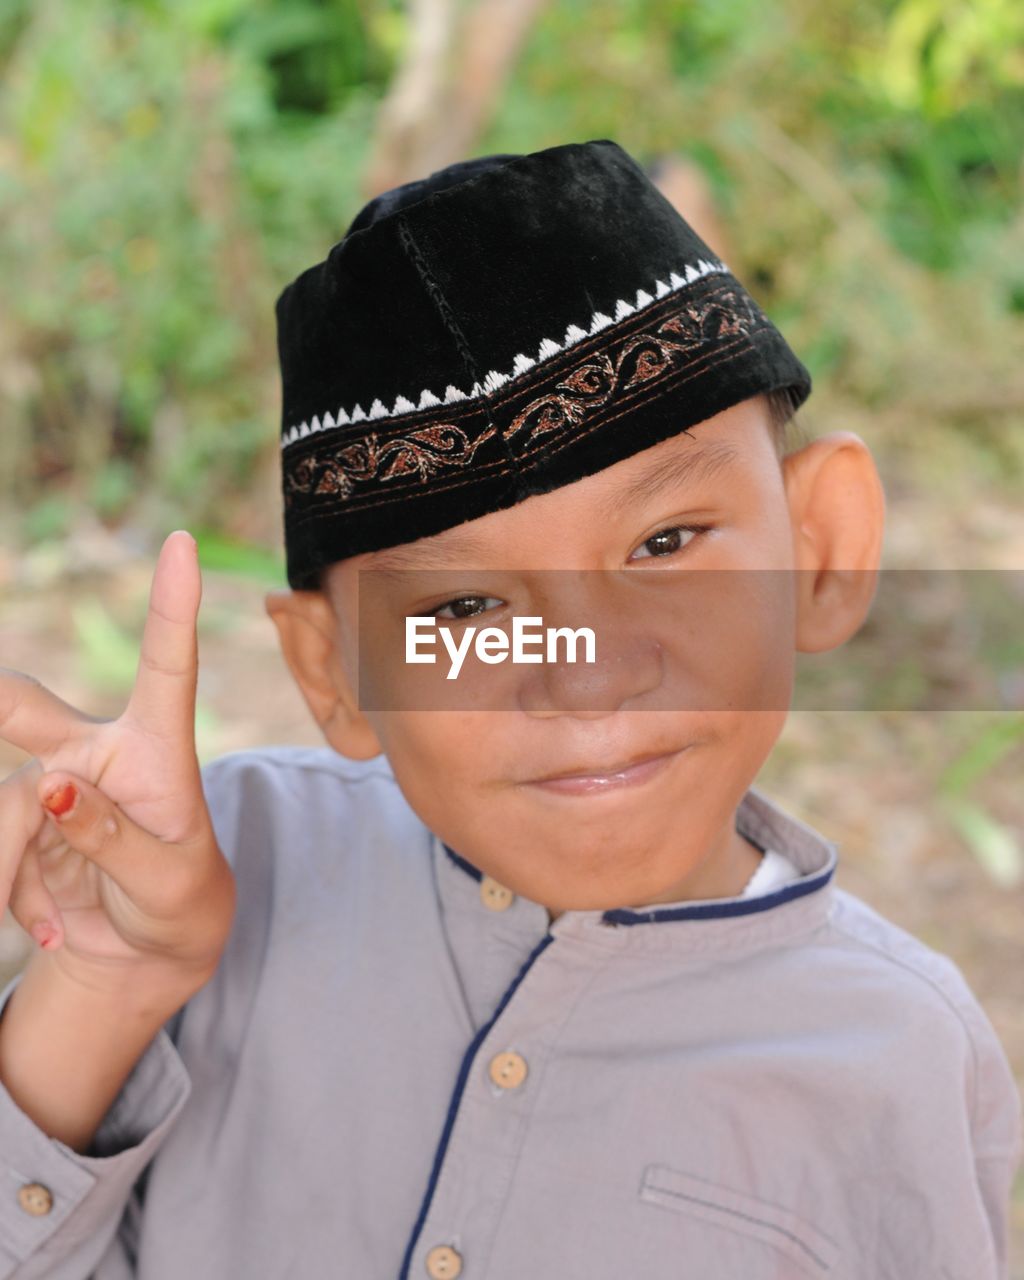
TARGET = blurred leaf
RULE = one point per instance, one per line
(239, 558)
(113, 488)
(47, 518)
(108, 654)
(994, 846)
(996, 740)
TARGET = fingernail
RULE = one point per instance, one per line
(44, 933)
(61, 800)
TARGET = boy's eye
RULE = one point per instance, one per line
(464, 607)
(667, 541)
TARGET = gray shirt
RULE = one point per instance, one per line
(401, 1069)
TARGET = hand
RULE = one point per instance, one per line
(107, 853)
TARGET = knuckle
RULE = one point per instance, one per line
(27, 900)
(25, 905)
(100, 831)
(198, 838)
(16, 895)
(160, 666)
(18, 686)
(24, 912)
(156, 611)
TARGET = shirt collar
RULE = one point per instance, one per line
(792, 908)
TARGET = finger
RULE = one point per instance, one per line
(163, 700)
(33, 718)
(33, 906)
(146, 868)
(20, 822)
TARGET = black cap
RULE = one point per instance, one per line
(503, 327)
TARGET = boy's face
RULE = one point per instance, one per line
(695, 692)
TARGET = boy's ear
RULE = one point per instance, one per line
(837, 508)
(308, 633)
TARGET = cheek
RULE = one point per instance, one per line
(729, 641)
(434, 755)
(764, 648)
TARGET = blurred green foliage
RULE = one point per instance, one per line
(239, 559)
(999, 849)
(167, 166)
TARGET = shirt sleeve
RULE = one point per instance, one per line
(71, 1216)
(997, 1134)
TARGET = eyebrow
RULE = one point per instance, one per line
(452, 551)
(692, 466)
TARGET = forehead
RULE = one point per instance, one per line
(728, 446)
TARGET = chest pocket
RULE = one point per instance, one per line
(791, 1236)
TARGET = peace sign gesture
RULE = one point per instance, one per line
(107, 853)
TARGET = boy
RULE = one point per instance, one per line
(548, 990)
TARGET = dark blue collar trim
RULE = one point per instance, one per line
(727, 907)
(460, 861)
(699, 910)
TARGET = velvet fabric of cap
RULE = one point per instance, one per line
(498, 329)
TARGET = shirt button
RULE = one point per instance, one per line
(495, 896)
(508, 1070)
(35, 1199)
(443, 1263)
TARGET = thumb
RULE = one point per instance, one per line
(94, 826)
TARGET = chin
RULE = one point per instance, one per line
(621, 867)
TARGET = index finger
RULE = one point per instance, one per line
(32, 717)
(164, 697)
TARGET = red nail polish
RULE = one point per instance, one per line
(61, 800)
(43, 933)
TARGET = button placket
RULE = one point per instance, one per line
(481, 1155)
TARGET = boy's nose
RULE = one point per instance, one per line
(628, 669)
(629, 657)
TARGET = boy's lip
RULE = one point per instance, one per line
(634, 770)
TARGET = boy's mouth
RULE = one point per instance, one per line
(587, 780)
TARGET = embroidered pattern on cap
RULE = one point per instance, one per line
(680, 340)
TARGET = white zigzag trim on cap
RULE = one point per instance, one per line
(520, 366)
